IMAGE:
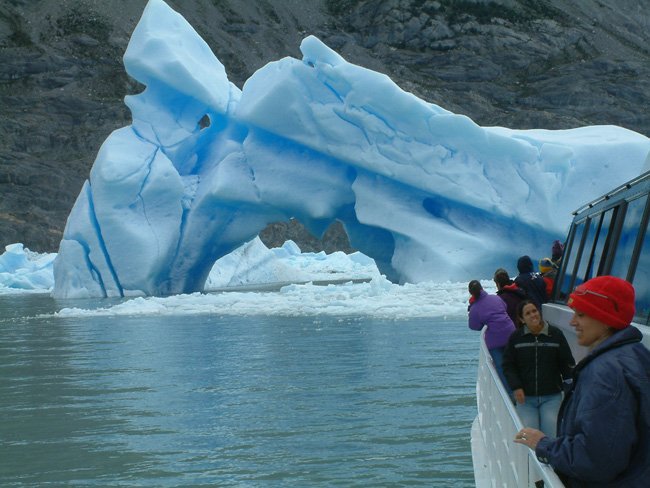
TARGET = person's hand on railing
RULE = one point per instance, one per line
(529, 437)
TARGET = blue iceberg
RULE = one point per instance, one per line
(428, 194)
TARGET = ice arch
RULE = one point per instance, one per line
(204, 167)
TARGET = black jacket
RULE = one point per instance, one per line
(538, 364)
(534, 286)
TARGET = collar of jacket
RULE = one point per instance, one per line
(543, 331)
(629, 335)
(514, 289)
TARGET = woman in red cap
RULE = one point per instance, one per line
(604, 421)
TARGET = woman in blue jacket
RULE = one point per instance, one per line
(604, 421)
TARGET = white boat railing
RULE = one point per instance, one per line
(498, 461)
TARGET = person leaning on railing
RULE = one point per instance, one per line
(604, 421)
(489, 310)
(536, 362)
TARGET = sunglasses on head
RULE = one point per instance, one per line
(581, 292)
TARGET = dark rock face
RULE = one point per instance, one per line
(333, 239)
(520, 64)
(517, 63)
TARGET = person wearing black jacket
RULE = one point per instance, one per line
(529, 281)
(535, 362)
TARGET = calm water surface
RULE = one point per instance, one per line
(233, 401)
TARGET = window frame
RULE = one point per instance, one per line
(593, 214)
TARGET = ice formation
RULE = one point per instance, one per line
(428, 194)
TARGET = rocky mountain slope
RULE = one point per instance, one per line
(550, 64)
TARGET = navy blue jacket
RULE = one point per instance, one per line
(534, 286)
(604, 421)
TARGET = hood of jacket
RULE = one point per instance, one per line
(525, 264)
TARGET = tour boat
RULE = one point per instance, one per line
(608, 236)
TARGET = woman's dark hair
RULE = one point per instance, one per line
(501, 278)
(475, 288)
(520, 309)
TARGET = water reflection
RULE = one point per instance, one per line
(168, 401)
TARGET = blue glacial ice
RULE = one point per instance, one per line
(428, 194)
(24, 270)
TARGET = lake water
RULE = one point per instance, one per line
(205, 400)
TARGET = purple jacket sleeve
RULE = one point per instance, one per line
(475, 322)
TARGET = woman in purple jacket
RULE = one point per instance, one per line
(489, 310)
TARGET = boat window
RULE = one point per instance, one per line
(571, 258)
(593, 248)
(611, 236)
(628, 237)
(602, 244)
(641, 282)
